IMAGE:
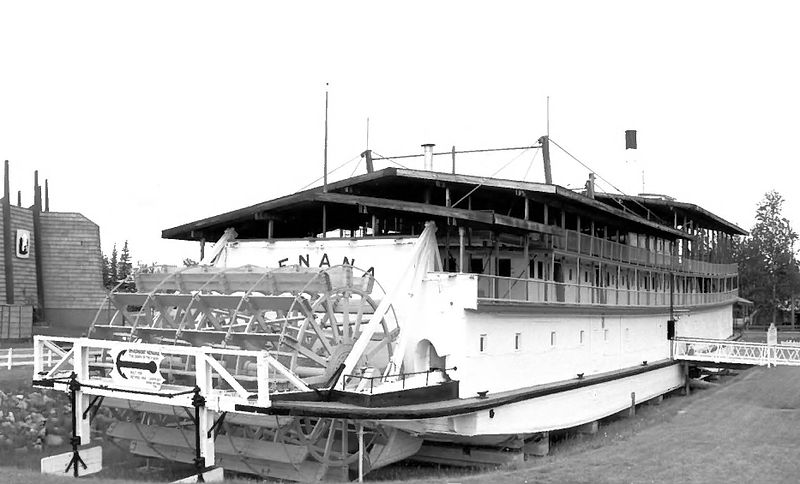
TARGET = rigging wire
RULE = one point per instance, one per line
(355, 168)
(530, 165)
(332, 171)
(485, 179)
(485, 150)
(608, 182)
(391, 159)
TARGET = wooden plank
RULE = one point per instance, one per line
(223, 445)
(57, 464)
(307, 471)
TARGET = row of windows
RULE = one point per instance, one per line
(647, 280)
(484, 339)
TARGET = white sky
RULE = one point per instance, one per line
(145, 115)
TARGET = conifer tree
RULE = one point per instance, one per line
(106, 275)
(113, 275)
(125, 268)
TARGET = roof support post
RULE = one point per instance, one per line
(324, 220)
(461, 250)
(493, 263)
(527, 259)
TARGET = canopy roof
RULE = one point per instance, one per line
(417, 196)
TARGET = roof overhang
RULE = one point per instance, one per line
(339, 194)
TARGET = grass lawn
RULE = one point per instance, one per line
(744, 430)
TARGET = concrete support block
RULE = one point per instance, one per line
(539, 445)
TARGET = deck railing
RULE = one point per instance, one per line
(496, 288)
(614, 251)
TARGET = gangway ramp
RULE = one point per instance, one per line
(698, 350)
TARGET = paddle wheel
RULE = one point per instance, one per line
(307, 319)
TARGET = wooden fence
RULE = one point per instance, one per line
(16, 321)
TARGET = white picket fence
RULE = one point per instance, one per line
(13, 357)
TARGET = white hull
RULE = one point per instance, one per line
(556, 411)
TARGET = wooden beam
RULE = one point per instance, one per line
(487, 218)
(8, 240)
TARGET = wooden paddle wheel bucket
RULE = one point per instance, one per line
(308, 319)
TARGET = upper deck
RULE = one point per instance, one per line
(507, 229)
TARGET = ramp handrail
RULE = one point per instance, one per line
(742, 352)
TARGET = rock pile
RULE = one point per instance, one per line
(33, 419)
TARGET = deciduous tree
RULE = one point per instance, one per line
(768, 268)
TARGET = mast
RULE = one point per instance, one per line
(325, 153)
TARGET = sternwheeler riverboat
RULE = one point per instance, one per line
(430, 315)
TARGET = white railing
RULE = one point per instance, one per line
(572, 241)
(496, 288)
(13, 357)
(16, 357)
(723, 351)
(55, 360)
(205, 381)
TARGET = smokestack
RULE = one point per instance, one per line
(427, 150)
(630, 139)
(46, 196)
(590, 186)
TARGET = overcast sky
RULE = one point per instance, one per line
(146, 115)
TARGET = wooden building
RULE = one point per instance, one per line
(51, 262)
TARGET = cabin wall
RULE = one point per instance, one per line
(714, 322)
(496, 351)
(387, 258)
(555, 347)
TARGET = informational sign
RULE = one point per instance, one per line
(137, 368)
(62, 464)
(23, 243)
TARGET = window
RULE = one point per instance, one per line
(539, 270)
(581, 336)
(605, 335)
(570, 275)
(517, 341)
(504, 267)
(482, 346)
(585, 276)
(476, 266)
(552, 338)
